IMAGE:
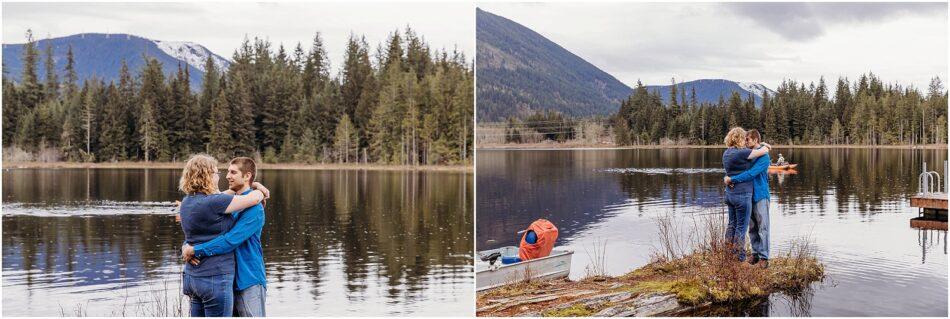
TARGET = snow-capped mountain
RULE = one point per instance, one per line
(192, 53)
(756, 88)
(709, 90)
(99, 55)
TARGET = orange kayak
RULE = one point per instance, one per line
(783, 167)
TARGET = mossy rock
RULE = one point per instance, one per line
(577, 310)
(690, 292)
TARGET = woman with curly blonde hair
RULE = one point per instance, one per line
(736, 159)
(205, 214)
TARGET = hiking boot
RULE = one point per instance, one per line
(764, 264)
(754, 260)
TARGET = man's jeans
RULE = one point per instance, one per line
(250, 302)
(211, 296)
(740, 209)
(759, 228)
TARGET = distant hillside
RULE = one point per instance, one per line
(100, 55)
(521, 72)
(709, 90)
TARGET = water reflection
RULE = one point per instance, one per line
(928, 239)
(852, 202)
(335, 242)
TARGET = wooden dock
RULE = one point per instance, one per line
(933, 211)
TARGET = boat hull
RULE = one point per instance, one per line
(557, 265)
(783, 167)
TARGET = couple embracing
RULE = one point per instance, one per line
(746, 161)
(224, 261)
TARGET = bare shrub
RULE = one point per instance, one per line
(167, 301)
(597, 259)
(49, 155)
(695, 260)
(12, 154)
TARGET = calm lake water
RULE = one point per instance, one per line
(341, 243)
(853, 203)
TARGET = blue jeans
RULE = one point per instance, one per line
(250, 301)
(759, 228)
(211, 296)
(740, 209)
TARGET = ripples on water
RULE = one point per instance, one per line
(91, 208)
(104, 242)
(852, 203)
(662, 171)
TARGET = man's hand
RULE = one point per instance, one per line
(188, 254)
(261, 188)
(728, 181)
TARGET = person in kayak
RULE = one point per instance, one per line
(781, 160)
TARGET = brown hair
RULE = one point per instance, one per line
(735, 138)
(753, 134)
(198, 175)
(245, 165)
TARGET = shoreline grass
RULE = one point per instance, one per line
(163, 301)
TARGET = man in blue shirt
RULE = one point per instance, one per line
(759, 223)
(244, 239)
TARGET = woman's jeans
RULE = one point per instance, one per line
(211, 296)
(740, 210)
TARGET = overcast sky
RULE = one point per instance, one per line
(221, 26)
(755, 42)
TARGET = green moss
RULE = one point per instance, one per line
(577, 310)
(689, 292)
(652, 286)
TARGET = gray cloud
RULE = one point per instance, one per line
(801, 21)
(653, 42)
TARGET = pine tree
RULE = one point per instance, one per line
(49, 122)
(114, 136)
(241, 113)
(71, 78)
(31, 91)
(11, 111)
(210, 90)
(345, 141)
(90, 129)
(384, 125)
(219, 132)
(154, 93)
(127, 105)
(356, 72)
(148, 130)
(25, 135)
(411, 119)
(316, 67)
(52, 82)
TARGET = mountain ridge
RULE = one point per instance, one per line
(709, 90)
(99, 55)
(521, 72)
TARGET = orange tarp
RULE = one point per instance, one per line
(547, 234)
